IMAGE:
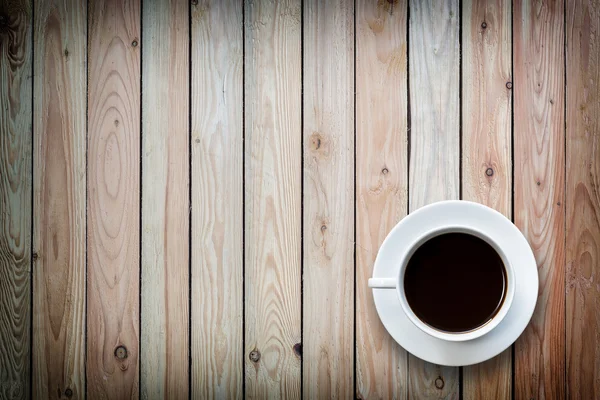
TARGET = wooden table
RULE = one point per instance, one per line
(192, 195)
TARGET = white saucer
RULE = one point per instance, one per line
(479, 218)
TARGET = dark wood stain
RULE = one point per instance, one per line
(15, 195)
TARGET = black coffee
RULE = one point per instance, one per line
(455, 282)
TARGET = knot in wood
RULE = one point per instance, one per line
(69, 392)
(483, 25)
(134, 43)
(319, 145)
(509, 85)
(315, 141)
(255, 356)
(121, 352)
(3, 20)
(489, 172)
(298, 349)
(439, 383)
(194, 2)
(384, 171)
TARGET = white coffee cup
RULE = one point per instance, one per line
(397, 282)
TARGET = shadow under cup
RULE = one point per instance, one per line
(455, 283)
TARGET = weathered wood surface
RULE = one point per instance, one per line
(434, 134)
(165, 200)
(328, 319)
(539, 171)
(217, 200)
(583, 199)
(15, 197)
(113, 215)
(273, 197)
(486, 147)
(279, 143)
(59, 296)
(381, 182)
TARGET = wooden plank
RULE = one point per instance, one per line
(539, 163)
(486, 140)
(165, 200)
(582, 199)
(113, 229)
(217, 200)
(273, 163)
(381, 182)
(59, 301)
(328, 331)
(434, 152)
(15, 197)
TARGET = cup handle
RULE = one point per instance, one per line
(383, 283)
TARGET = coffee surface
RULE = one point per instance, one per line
(455, 282)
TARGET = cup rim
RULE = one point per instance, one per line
(456, 336)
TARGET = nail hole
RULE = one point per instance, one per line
(194, 2)
(3, 20)
(35, 256)
(66, 52)
(509, 85)
(538, 183)
(489, 172)
(558, 203)
(121, 352)
(255, 356)
(323, 228)
(551, 101)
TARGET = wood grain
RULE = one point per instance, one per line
(273, 163)
(328, 330)
(381, 183)
(217, 200)
(583, 199)
(539, 163)
(486, 141)
(165, 200)
(15, 197)
(113, 230)
(59, 298)
(434, 151)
